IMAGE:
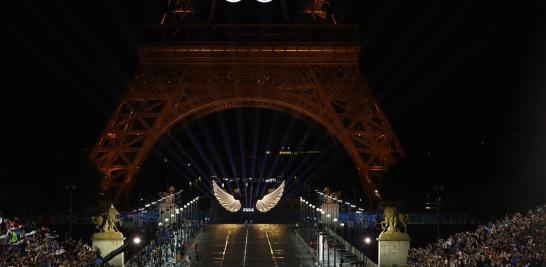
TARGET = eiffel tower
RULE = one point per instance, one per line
(188, 70)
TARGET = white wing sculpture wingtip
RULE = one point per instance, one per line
(270, 200)
(225, 199)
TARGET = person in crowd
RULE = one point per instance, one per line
(27, 245)
(510, 241)
(168, 248)
(98, 259)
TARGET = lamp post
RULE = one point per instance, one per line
(302, 221)
(329, 219)
(367, 242)
(300, 216)
(197, 215)
(316, 222)
(322, 245)
(310, 220)
(305, 221)
(437, 188)
(328, 249)
(70, 188)
(333, 241)
(177, 212)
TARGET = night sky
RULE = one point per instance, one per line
(462, 84)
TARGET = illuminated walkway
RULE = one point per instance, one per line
(260, 245)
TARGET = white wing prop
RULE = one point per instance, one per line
(226, 200)
(270, 200)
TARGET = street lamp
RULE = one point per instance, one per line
(367, 242)
(70, 188)
(437, 188)
(333, 241)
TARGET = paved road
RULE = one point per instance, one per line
(260, 245)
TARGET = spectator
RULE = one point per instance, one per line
(168, 248)
(23, 246)
(511, 241)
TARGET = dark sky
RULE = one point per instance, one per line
(463, 85)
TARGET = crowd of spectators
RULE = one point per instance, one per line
(515, 240)
(23, 244)
(170, 247)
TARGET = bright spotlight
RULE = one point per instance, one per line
(233, 1)
(264, 1)
(136, 240)
(367, 240)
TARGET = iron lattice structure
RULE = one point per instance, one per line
(188, 71)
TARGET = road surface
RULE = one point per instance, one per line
(261, 245)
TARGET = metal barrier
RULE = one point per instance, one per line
(354, 250)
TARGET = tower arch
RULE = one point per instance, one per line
(178, 80)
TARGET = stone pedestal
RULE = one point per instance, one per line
(108, 242)
(393, 249)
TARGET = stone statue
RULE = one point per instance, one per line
(394, 225)
(404, 218)
(390, 220)
(108, 225)
(326, 192)
(98, 221)
(393, 221)
(109, 238)
(332, 194)
(394, 241)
